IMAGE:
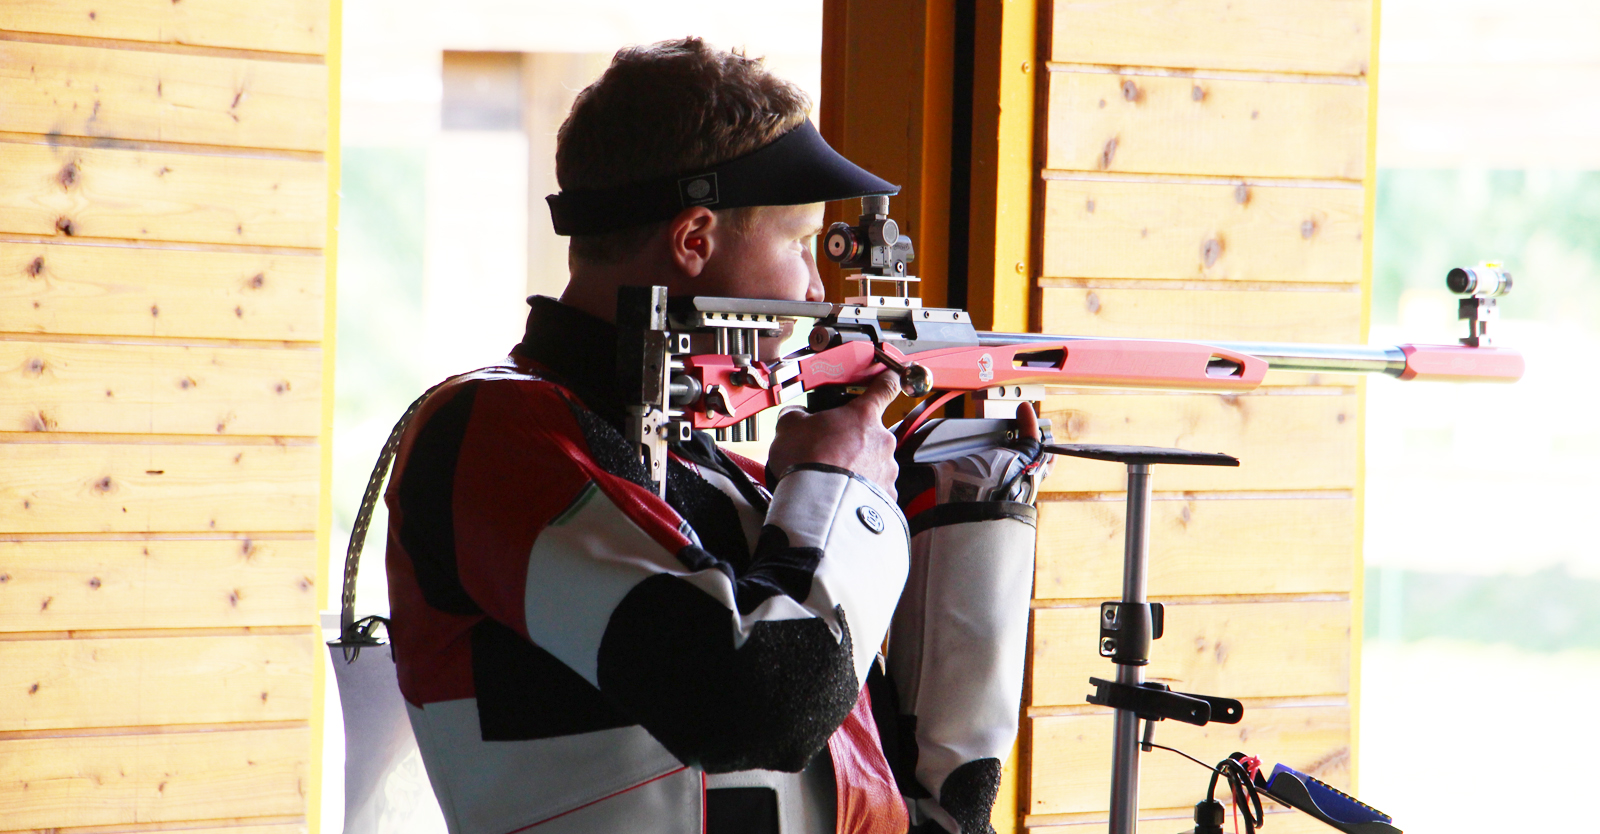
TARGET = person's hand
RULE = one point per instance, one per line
(851, 436)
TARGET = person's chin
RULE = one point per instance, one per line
(768, 347)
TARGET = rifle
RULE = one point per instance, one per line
(694, 362)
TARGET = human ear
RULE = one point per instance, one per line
(690, 240)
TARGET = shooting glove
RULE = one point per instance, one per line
(959, 636)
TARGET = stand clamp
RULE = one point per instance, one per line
(1157, 702)
(1127, 628)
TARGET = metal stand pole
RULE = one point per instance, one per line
(1125, 741)
(1127, 627)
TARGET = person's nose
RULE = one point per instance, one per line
(814, 290)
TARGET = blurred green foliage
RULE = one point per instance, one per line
(1544, 226)
(381, 217)
(380, 276)
(1547, 611)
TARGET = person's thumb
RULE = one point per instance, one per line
(1027, 422)
(881, 391)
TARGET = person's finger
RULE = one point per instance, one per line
(789, 415)
(1028, 422)
(881, 391)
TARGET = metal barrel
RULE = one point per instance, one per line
(1279, 356)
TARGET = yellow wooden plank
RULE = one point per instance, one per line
(1219, 127)
(319, 710)
(68, 684)
(141, 291)
(1280, 820)
(1005, 79)
(1292, 379)
(160, 195)
(1239, 315)
(1313, 36)
(70, 387)
(217, 583)
(1240, 232)
(1200, 546)
(1241, 650)
(1072, 756)
(1282, 441)
(155, 96)
(109, 780)
(1358, 595)
(904, 81)
(1289, 821)
(139, 488)
(281, 26)
(1004, 814)
(270, 828)
(276, 828)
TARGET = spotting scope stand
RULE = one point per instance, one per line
(1127, 628)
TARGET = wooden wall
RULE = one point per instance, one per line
(1204, 172)
(164, 191)
(1169, 169)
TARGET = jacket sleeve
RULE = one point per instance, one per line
(959, 639)
(729, 673)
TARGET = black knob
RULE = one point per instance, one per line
(840, 244)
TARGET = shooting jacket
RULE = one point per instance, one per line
(579, 655)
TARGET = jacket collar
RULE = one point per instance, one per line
(578, 350)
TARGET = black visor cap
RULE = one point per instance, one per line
(795, 169)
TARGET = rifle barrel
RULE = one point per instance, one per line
(1280, 356)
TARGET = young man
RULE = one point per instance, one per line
(578, 654)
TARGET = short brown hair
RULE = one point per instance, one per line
(664, 109)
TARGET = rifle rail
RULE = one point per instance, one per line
(1279, 356)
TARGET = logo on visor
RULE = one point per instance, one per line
(698, 191)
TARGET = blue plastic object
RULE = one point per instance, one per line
(1327, 803)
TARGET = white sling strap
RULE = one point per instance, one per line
(386, 789)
